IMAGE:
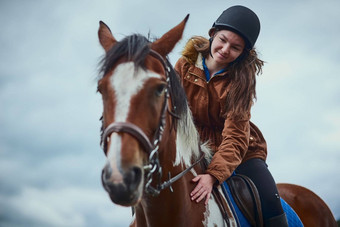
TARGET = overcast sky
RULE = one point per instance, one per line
(50, 158)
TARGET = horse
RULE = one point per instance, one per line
(148, 135)
(311, 209)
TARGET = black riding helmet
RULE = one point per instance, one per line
(241, 20)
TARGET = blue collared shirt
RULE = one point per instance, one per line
(206, 70)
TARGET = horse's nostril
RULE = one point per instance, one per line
(137, 172)
(107, 172)
(133, 178)
(105, 177)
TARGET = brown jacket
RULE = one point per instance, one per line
(232, 141)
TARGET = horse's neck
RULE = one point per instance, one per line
(176, 202)
(172, 208)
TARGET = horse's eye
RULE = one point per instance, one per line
(160, 89)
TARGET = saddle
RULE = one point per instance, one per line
(246, 197)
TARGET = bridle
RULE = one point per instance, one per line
(153, 168)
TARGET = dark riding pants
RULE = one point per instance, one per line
(257, 171)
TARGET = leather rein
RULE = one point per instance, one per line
(153, 168)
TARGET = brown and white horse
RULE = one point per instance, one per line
(148, 135)
(151, 143)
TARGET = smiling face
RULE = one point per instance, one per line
(226, 47)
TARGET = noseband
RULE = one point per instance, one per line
(150, 147)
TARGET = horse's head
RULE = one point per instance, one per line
(134, 90)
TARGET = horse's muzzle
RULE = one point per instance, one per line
(128, 190)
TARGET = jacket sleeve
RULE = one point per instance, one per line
(234, 145)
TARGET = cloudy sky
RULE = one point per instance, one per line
(50, 159)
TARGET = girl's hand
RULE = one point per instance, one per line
(203, 188)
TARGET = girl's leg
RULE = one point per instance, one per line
(257, 171)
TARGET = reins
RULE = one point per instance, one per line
(153, 168)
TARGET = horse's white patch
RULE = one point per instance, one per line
(114, 158)
(126, 82)
(188, 141)
(212, 215)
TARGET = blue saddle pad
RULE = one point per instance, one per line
(292, 217)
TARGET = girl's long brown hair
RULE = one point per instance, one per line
(242, 73)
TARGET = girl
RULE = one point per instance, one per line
(219, 77)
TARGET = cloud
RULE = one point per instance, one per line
(66, 206)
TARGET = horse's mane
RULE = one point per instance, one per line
(136, 48)
(133, 48)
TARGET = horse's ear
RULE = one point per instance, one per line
(106, 38)
(167, 42)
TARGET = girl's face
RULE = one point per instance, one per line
(226, 47)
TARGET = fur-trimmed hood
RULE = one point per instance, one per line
(191, 51)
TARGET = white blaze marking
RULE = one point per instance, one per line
(114, 158)
(126, 82)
